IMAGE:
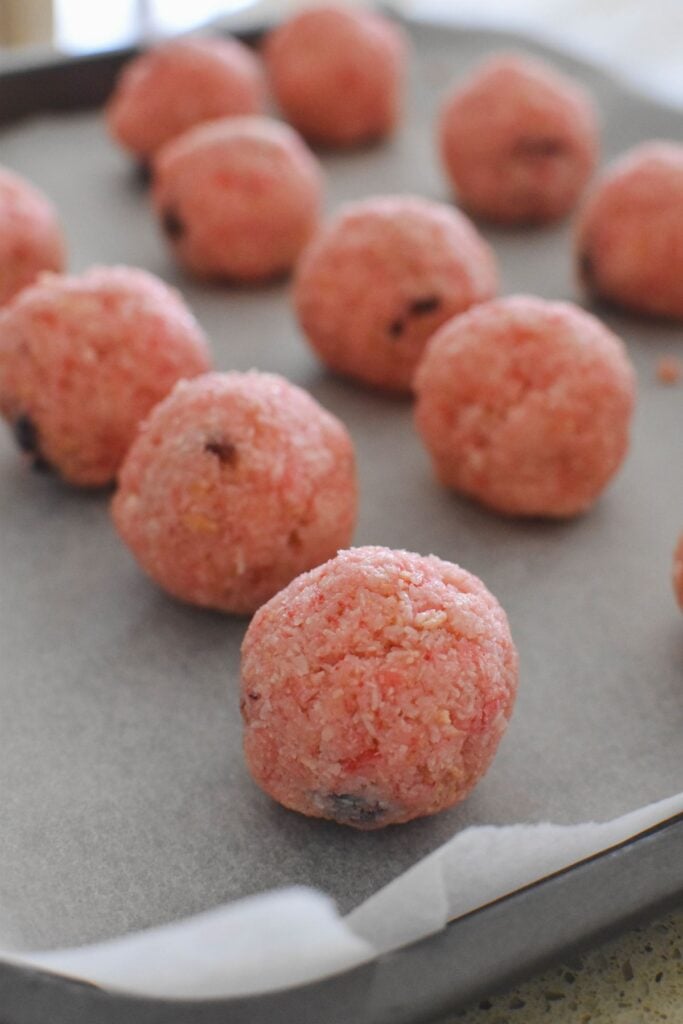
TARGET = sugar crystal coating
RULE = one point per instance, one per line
(380, 277)
(237, 198)
(376, 688)
(519, 141)
(630, 234)
(526, 405)
(678, 571)
(84, 358)
(337, 74)
(178, 84)
(30, 235)
(236, 483)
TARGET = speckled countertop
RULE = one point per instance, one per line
(636, 978)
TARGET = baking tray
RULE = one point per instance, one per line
(125, 802)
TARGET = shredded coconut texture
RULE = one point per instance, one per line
(236, 483)
(378, 280)
(31, 238)
(519, 141)
(376, 688)
(526, 406)
(241, 196)
(84, 359)
(178, 84)
(337, 74)
(678, 571)
(630, 235)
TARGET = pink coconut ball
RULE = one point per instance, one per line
(519, 141)
(178, 84)
(525, 405)
(678, 571)
(337, 74)
(378, 280)
(83, 359)
(630, 234)
(238, 198)
(236, 483)
(31, 238)
(376, 688)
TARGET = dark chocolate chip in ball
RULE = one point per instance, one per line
(225, 451)
(247, 703)
(538, 146)
(421, 307)
(143, 171)
(586, 269)
(346, 808)
(418, 307)
(172, 224)
(294, 540)
(26, 436)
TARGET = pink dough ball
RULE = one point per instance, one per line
(526, 406)
(678, 571)
(337, 74)
(238, 198)
(630, 236)
(519, 141)
(84, 359)
(378, 280)
(31, 238)
(376, 688)
(178, 84)
(236, 483)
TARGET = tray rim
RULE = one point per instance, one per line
(25, 990)
(82, 82)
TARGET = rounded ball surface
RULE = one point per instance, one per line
(337, 74)
(236, 483)
(678, 571)
(630, 235)
(238, 198)
(519, 141)
(526, 406)
(83, 359)
(30, 235)
(376, 688)
(380, 277)
(178, 84)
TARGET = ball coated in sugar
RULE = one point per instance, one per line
(678, 571)
(337, 74)
(84, 358)
(380, 277)
(525, 405)
(31, 238)
(235, 484)
(630, 233)
(519, 141)
(376, 688)
(238, 198)
(178, 84)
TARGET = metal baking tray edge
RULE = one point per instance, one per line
(507, 939)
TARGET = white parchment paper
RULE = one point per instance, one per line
(287, 938)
